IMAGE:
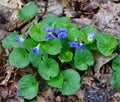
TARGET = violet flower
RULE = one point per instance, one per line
(61, 33)
(20, 40)
(90, 36)
(76, 45)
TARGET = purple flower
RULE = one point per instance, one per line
(49, 36)
(49, 29)
(35, 50)
(73, 44)
(81, 46)
(17, 92)
(90, 36)
(76, 45)
(19, 39)
(61, 33)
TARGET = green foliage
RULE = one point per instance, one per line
(83, 59)
(19, 58)
(71, 82)
(35, 59)
(28, 87)
(37, 33)
(28, 44)
(106, 43)
(116, 63)
(54, 45)
(28, 11)
(56, 81)
(48, 68)
(10, 41)
(66, 56)
(115, 79)
(84, 31)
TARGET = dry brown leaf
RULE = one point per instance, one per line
(3, 33)
(101, 60)
(108, 19)
(116, 99)
(10, 8)
(40, 99)
(54, 7)
(81, 22)
(9, 71)
(80, 94)
(50, 93)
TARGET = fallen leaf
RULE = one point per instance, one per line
(54, 7)
(81, 22)
(101, 60)
(9, 71)
(107, 19)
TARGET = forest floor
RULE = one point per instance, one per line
(95, 86)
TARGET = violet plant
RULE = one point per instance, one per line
(50, 45)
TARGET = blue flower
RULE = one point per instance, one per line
(19, 39)
(81, 46)
(61, 33)
(90, 36)
(17, 92)
(35, 50)
(76, 45)
(49, 29)
(49, 36)
(73, 44)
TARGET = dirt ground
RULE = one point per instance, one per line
(95, 86)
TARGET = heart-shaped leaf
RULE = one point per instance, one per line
(48, 69)
(66, 56)
(37, 32)
(35, 59)
(83, 59)
(28, 87)
(52, 47)
(71, 82)
(28, 11)
(115, 79)
(10, 41)
(106, 43)
(56, 81)
(19, 58)
(116, 63)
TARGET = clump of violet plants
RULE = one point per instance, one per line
(58, 49)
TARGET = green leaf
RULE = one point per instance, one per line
(10, 41)
(51, 18)
(106, 43)
(83, 59)
(61, 21)
(84, 31)
(48, 68)
(115, 79)
(28, 87)
(52, 47)
(71, 82)
(28, 11)
(56, 81)
(35, 59)
(66, 56)
(29, 44)
(116, 63)
(19, 58)
(73, 34)
(91, 46)
(37, 32)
